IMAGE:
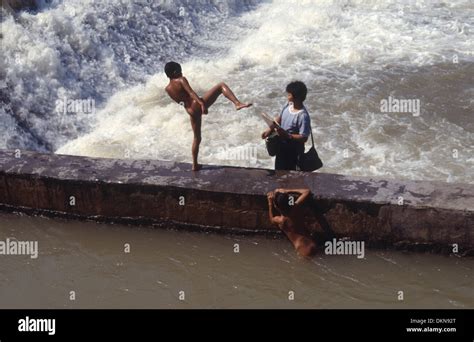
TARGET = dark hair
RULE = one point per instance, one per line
(298, 90)
(172, 69)
(282, 202)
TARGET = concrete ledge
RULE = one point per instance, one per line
(433, 215)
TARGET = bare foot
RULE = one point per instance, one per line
(242, 105)
(197, 167)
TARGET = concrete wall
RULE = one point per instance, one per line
(433, 215)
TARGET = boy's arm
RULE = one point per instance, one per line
(304, 194)
(270, 205)
(299, 137)
(289, 136)
(271, 214)
(304, 130)
(193, 94)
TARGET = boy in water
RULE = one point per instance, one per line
(290, 221)
(181, 92)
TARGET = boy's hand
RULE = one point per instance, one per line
(270, 196)
(266, 134)
(282, 133)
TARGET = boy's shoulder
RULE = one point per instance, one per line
(176, 82)
(177, 79)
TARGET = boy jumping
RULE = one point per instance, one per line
(181, 92)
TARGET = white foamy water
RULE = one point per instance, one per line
(351, 54)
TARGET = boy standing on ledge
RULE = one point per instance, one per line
(181, 92)
(295, 127)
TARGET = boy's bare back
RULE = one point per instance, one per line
(302, 241)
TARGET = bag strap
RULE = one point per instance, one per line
(312, 140)
(283, 111)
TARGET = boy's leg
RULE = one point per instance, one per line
(196, 125)
(297, 149)
(284, 158)
(211, 96)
